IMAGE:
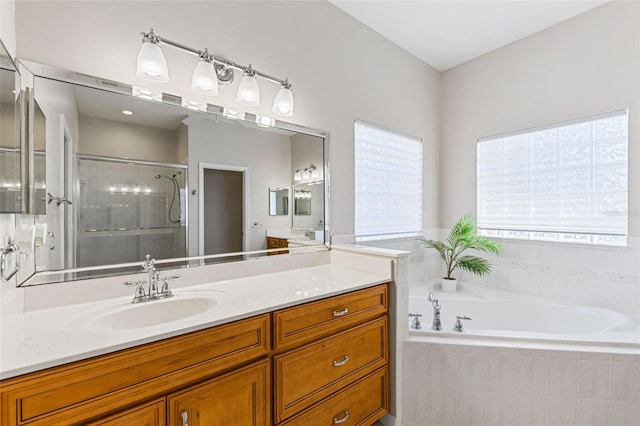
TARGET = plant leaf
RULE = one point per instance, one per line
(473, 264)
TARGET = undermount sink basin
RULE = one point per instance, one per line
(127, 315)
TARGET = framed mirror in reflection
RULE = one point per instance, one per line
(308, 205)
(278, 201)
(152, 177)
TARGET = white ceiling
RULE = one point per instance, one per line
(446, 33)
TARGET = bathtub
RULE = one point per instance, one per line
(520, 361)
(499, 314)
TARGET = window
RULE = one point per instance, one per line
(388, 192)
(562, 182)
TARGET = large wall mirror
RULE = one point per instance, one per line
(131, 175)
(10, 146)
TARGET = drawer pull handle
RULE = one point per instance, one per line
(343, 362)
(337, 421)
(341, 313)
(185, 418)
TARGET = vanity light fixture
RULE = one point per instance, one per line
(204, 79)
(310, 172)
(151, 63)
(283, 103)
(210, 71)
(248, 90)
(302, 194)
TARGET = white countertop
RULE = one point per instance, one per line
(38, 339)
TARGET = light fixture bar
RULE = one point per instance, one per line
(217, 59)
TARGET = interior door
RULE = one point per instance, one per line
(223, 211)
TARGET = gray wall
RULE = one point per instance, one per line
(586, 65)
(339, 68)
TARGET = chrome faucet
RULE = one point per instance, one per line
(437, 324)
(309, 233)
(142, 295)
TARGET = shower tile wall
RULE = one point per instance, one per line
(10, 185)
(124, 213)
(478, 385)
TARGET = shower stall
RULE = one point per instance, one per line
(127, 209)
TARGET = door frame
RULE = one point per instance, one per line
(202, 166)
(71, 192)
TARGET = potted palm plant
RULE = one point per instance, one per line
(462, 237)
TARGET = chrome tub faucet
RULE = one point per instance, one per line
(437, 324)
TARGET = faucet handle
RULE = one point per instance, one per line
(165, 291)
(140, 294)
(415, 324)
(149, 263)
(458, 325)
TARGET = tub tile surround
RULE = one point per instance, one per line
(602, 276)
(479, 385)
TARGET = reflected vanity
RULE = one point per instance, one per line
(150, 173)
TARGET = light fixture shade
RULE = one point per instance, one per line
(248, 91)
(306, 174)
(315, 174)
(283, 103)
(297, 176)
(204, 79)
(151, 64)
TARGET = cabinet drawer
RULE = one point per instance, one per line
(362, 403)
(94, 387)
(311, 321)
(150, 414)
(306, 375)
(273, 242)
(238, 398)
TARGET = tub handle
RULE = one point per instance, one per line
(415, 324)
(457, 327)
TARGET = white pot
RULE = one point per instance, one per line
(449, 285)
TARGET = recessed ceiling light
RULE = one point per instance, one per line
(127, 112)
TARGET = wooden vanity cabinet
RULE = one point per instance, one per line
(274, 242)
(331, 360)
(323, 362)
(117, 383)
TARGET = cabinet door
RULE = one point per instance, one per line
(149, 414)
(238, 398)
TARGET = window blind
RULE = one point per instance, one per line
(388, 183)
(565, 182)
